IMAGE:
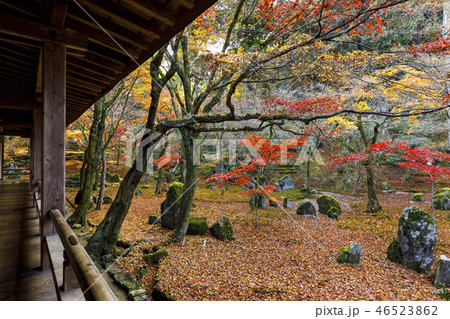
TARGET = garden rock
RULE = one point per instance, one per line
(441, 199)
(107, 200)
(414, 247)
(287, 203)
(385, 186)
(152, 220)
(197, 226)
(286, 183)
(260, 202)
(137, 295)
(115, 178)
(328, 205)
(418, 197)
(126, 281)
(222, 229)
(273, 203)
(170, 207)
(441, 274)
(350, 254)
(306, 208)
(138, 192)
(155, 257)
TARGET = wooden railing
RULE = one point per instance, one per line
(77, 260)
(87, 274)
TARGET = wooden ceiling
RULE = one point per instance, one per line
(105, 41)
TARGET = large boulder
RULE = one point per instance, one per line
(197, 226)
(441, 199)
(328, 205)
(170, 207)
(350, 254)
(441, 274)
(222, 229)
(414, 247)
(306, 208)
(445, 190)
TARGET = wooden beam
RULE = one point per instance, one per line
(117, 32)
(150, 10)
(21, 133)
(16, 105)
(58, 14)
(16, 124)
(40, 32)
(122, 17)
(53, 136)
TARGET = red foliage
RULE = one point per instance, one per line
(438, 45)
(285, 15)
(167, 160)
(421, 158)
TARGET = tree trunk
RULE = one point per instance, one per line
(355, 186)
(91, 159)
(372, 205)
(346, 177)
(105, 237)
(189, 186)
(159, 181)
(118, 158)
(96, 180)
(308, 173)
(102, 183)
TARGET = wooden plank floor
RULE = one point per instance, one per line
(20, 276)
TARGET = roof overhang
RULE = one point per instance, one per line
(105, 41)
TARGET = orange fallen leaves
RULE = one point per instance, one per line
(288, 257)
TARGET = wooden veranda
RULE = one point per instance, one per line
(57, 57)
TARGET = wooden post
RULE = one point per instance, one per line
(36, 151)
(2, 143)
(53, 138)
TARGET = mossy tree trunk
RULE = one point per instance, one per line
(189, 186)
(373, 206)
(105, 237)
(102, 182)
(92, 162)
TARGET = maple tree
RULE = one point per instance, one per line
(252, 174)
(211, 77)
(419, 159)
